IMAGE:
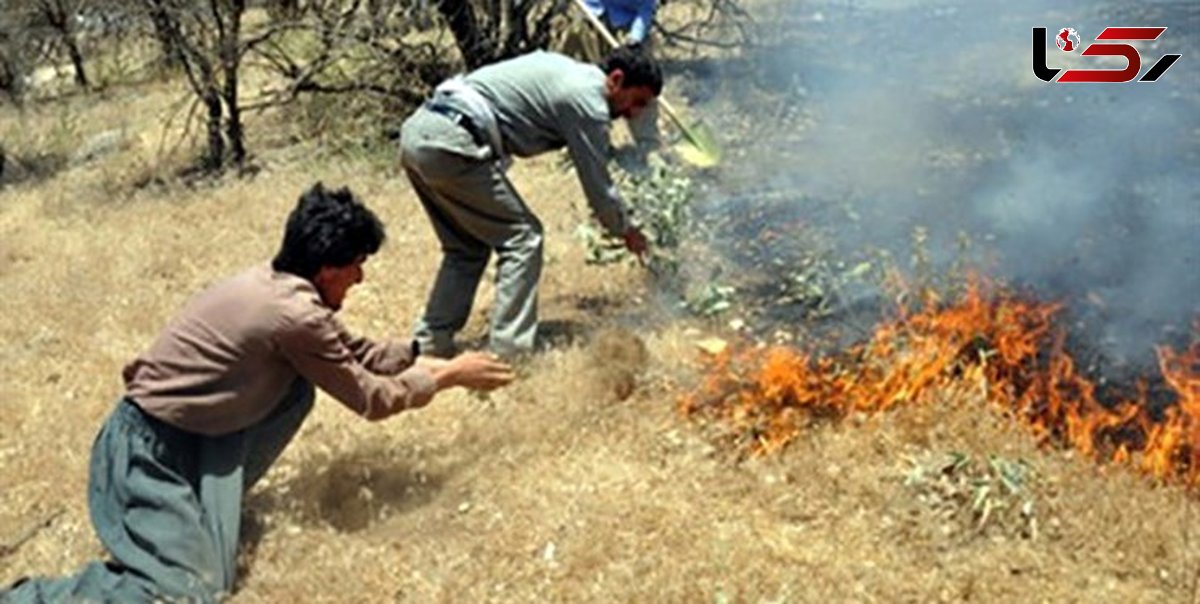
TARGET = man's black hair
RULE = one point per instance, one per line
(327, 228)
(637, 65)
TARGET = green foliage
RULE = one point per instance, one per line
(818, 281)
(709, 299)
(659, 196)
(601, 249)
(929, 281)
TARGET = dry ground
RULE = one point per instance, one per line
(568, 486)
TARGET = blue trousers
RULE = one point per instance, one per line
(167, 506)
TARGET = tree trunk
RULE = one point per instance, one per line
(171, 54)
(216, 139)
(60, 15)
(76, 58)
(230, 63)
(476, 50)
(209, 91)
(12, 75)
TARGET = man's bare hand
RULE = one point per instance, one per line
(636, 243)
(431, 363)
(475, 371)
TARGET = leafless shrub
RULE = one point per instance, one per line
(61, 17)
(348, 68)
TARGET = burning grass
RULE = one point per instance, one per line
(577, 484)
(1006, 345)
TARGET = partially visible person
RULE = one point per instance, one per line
(212, 403)
(456, 148)
(634, 18)
(630, 21)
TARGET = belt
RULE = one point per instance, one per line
(462, 120)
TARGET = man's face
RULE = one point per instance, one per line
(626, 102)
(334, 281)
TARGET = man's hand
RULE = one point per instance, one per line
(431, 364)
(636, 243)
(473, 370)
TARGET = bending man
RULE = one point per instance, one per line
(455, 150)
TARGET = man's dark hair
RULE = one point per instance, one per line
(327, 228)
(637, 65)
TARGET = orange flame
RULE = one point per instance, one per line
(1007, 345)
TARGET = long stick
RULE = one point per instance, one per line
(612, 41)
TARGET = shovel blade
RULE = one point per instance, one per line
(699, 146)
(694, 155)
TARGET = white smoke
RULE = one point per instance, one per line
(926, 113)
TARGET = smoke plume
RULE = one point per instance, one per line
(928, 114)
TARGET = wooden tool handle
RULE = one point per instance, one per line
(612, 41)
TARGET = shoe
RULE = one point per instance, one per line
(443, 348)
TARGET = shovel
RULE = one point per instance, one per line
(699, 146)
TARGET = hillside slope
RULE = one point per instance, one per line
(568, 486)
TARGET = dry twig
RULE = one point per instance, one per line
(28, 533)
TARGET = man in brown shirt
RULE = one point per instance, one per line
(212, 403)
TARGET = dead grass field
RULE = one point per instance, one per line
(565, 487)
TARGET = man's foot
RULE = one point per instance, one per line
(437, 347)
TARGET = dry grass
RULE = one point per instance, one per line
(579, 483)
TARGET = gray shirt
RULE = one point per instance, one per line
(229, 357)
(545, 101)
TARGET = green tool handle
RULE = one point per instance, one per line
(612, 41)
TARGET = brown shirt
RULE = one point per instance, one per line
(226, 361)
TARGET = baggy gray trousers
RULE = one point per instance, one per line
(474, 210)
(167, 506)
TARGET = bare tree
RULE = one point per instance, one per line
(204, 38)
(14, 67)
(354, 49)
(726, 24)
(62, 17)
(169, 57)
(489, 30)
(121, 21)
(26, 39)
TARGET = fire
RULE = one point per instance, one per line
(1005, 345)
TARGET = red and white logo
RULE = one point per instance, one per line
(1106, 45)
(1067, 39)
